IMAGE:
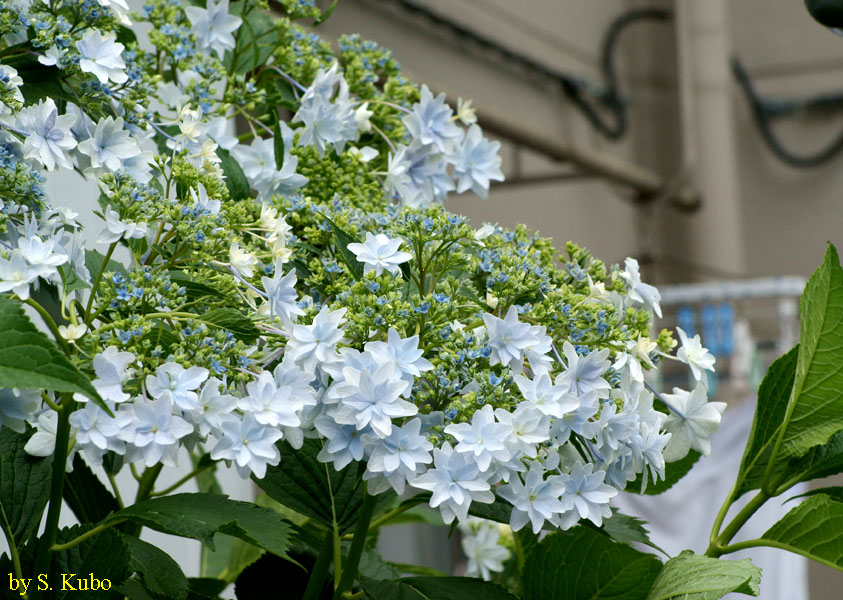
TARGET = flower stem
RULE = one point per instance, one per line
(13, 549)
(320, 569)
(720, 544)
(42, 561)
(364, 518)
(96, 282)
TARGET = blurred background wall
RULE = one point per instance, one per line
(690, 132)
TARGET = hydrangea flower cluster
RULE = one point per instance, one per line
(300, 278)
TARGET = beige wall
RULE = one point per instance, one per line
(784, 215)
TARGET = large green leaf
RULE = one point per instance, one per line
(434, 588)
(85, 494)
(161, 575)
(308, 486)
(234, 321)
(585, 564)
(691, 576)
(24, 486)
(235, 180)
(103, 556)
(813, 529)
(258, 38)
(29, 359)
(820, 461)
(773, 395)
(200, 516)
(834, 492)
(818, 387)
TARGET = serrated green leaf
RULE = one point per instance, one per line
(627, 529)
(194, 289)
(93, 262)
(235, 180)
(231, 320)
(813, 529)
(24, 486)
(585, 564)
(200, 516)
(820, 461)
(770, 409)
(307, 486)
(434, 588)
(818, 387)
(373, 566)
(103, 556)
(161, 575)
(31, 360)
(85, 494)
(673, 473)
(258, 38)
(695, 577)
(499, 510)
(325, 14)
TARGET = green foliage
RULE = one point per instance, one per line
(583, 564)
(313, 488)
(106, 555)
(693, 577)
(770, 409)
(160, 574)
(232, 320)
(85, 494)
(673, 473)
(24, 486)
(235, 179)
(813, 529)
(817, 400)
(201, 516)
(428, 588)
(29, 359)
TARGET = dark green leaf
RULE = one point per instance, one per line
(232, 320)
(691, 576)
(373, 566)
(194, 289)
(93, 262)
(277, 142)
(85, 494)
(325, 14)
(103, 556)
(499, 510)
(835, 493)
(434, 588)
(342, 240)
(206, 586)
(770, 410)
(161, 574)
(627, 530)
(41, 82)
(812, 529)
(585, 564)
(126, 36)
(24, 486)
(29, 359)
(673, 472)
(818, 386)
(200, 516)
(235, 180)
(258, 38)
(307, 486)
(821, 461)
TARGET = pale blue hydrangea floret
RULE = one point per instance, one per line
(101, 56)
(249, 445)
(48, 135)
(212, 26)
(396, 458)
(380, 253)
(477, 163)
(430, 122)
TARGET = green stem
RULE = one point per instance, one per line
(320, 569)
(721, 515)
(182, 481)
(774, 544)
(81, 538)
(13, 549)
(96, 282)
(361, 530)
(42, 561)
(145, 484)
(716, 548)
(51, 324)
(114, 488)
